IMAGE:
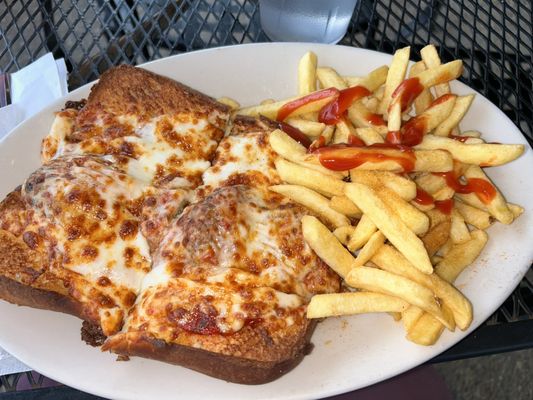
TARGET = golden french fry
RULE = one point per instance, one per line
(369, 249)
(473, 216)
(335, 304)
(425, 98)
(426, 330)
(461, 106)
(410, 316)
(484, 155)
(345, 206)
(326, 245)
(431, 59)
(435, 185)
(271, 110)
(497, 206)
(293, 151)
(461, 255)
(372, 81)
(441, 74)
(389, 259)
(310, 128)
(459, 232)
(414, 219)
(307, 74)
(395, 76)
(231, 103)
(369, 136)
(343, 233)
(297, 175)
(402, 186)
(313, 201)
(328, 133)
(390, 225)
(437, 236)
(328, 77)
(343, 131)
(394, 121)
(515, 209)
(432, 116)
(362, 233)
(362, 117)
(376, 280)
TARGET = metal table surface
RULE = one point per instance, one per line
(492, 38)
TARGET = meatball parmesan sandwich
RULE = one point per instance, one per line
(227, 292)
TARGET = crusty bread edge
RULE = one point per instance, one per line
(229, 368)
(23, 295)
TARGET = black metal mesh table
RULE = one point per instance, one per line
(492, 38)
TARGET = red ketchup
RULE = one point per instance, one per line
(332, 112)
(483, 189)
(288, 108)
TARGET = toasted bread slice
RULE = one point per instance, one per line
(228, 289)
(76, 229)
(157, 129)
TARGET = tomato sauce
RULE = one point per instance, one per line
(332, 112)
(483, 189)
(288, 108)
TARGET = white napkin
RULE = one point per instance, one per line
(32, 88)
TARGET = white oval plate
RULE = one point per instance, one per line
(349, 353)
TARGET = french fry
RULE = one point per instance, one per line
(297, 175)
(461, 106)
(426, 330)
(460, 256)
(497, 206)
(343, 233)
(293, 151)
(431, 59)
(484, 155)
(336, 304)
(307, 74)
(328, 77)
(435, 185)
(372, 81)
(326, 245)
(343, 131)
(389, 259)
(345, 206)
(328, 133)
(271, 110)
(424, 160)
(394, 122)
(459, 232)
(379, 281)
(390, 225)
(438, 234)
(369, 249)
(441, 74)
(310, 128)
(425, 98)
(515, 209)
(362, 233)
(411, 316)
(414, 219)
(231, 103)
(313, 201)
(432, 116)
(395, 76)
(473, 216)
(369, 136)
(359, 115)
(402, 186)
